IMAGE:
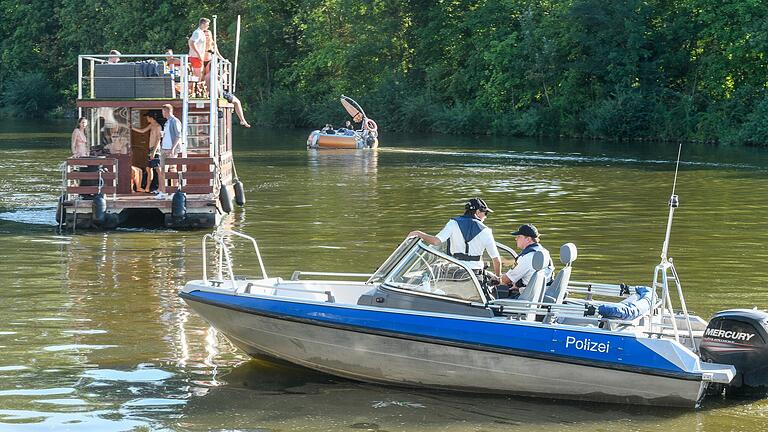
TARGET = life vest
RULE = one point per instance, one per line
(470, 228)
(531, 248)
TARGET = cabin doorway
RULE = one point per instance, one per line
(141, 145)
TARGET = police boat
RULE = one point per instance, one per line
(424, 319)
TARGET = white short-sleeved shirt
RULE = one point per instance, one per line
(524, 268)
(482, 242)
(198, 40)
(171, 132)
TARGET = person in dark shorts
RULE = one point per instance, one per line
(155, 136)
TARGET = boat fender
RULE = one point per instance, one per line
(60, 208)
(239, 193)
(179, 206)
(99, 208)
(225, 199)
(371, 125)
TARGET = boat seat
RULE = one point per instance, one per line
(556, 292)
(533, 292)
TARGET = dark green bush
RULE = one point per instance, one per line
(283, 109)
(754, 131)
(627, 114)
(28, 94)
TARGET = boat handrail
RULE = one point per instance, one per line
(598, 288)
(225, 256)
(512, 304)
(297, 274)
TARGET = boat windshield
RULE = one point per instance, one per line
(397, 255)
(425, 271)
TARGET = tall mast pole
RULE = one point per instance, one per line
(673, 204)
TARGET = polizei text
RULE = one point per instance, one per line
(587, 344)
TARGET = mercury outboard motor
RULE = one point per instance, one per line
(739, 337)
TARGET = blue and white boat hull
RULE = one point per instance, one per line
(486, 355)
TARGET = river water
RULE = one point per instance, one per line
(94, 337)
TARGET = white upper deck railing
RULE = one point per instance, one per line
(167, 70)
(88, 62)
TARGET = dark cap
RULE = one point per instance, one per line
(477, 204)
(527, 230)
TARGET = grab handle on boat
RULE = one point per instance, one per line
(297, 274)
(217, 237)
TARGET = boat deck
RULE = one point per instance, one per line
(150, 200)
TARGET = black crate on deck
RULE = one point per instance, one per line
(114, 80)
(154, 87)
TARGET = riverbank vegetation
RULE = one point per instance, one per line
(673, 69)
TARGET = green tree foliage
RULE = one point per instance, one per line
(660, 69)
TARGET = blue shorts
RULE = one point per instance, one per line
(155, 162)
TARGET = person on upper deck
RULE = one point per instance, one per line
(171, 61)
(210, 49)
(468, 237)
(171, 144)
(79, 143)
(115, 57)
(527, 239)
(196, 44)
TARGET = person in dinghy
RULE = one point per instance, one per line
(468, 237)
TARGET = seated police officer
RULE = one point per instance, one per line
(527, 239)
(467, 237)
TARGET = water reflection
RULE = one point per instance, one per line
(260, 394)
(109, 339)
(360, 164)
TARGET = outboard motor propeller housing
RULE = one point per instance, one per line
(739, 337)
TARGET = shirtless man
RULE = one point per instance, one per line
(155, 135)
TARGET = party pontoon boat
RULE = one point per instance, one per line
(109, 186)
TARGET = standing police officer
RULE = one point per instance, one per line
(467, 237)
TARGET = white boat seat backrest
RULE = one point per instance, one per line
(555, 293)
(533, 291)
